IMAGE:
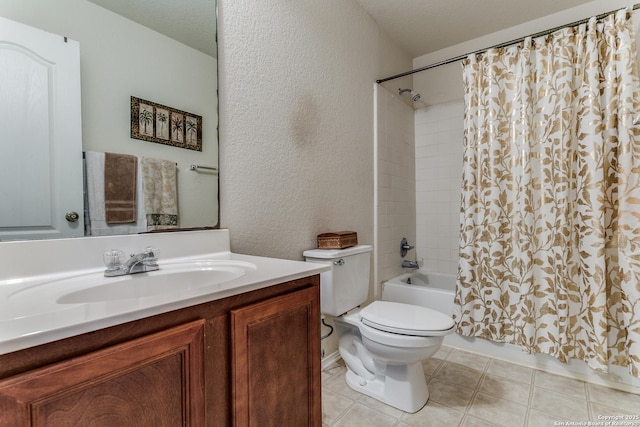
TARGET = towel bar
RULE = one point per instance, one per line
(194, 167)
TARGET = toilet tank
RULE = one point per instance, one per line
(346, 285)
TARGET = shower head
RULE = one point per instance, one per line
(414, 95)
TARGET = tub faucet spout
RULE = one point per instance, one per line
(409, 264)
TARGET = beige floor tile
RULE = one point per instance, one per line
(454, 373)
(326, 375)
(332, 370)
(510, 370)
(470, 360)
(450, 395)
(628, 402)
(468, 390)
(431, 365)
(434, 415)
(560, 384)
(333, 406)
(362, 416)
(559, 405)
(499, 411)
(379, 406)
(471, 421)
(505, 388)
(337, 384)
(541, 419)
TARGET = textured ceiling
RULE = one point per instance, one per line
(424, 26)
(191, 22)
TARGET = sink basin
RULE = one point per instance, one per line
(171, 278)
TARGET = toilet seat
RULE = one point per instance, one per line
(395, 340)
(406, 319)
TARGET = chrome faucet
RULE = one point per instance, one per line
(137, 263)
(409, 264)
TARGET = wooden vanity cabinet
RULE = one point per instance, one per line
(156, 378)
(275, 360)
(248, 360)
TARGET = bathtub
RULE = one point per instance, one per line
(431, 290)
(436, 291)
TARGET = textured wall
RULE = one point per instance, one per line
(296, 85)
(296, 121)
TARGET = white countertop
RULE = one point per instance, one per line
(42, 319)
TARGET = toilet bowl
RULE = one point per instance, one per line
(388, 365)
(383, 344)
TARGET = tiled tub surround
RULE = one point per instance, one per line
(468, 390)
(438, 179)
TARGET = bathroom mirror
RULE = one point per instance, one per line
(162, 51)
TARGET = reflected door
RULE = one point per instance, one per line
(40, 134)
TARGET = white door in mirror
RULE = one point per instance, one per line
(40, 134)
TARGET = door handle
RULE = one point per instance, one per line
(72, 216)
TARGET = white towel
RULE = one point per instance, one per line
(94, 164)
(160, 193)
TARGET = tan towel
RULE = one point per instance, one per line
(96, 221)
(160, 193)
(120, 175)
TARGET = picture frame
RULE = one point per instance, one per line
(153, 122)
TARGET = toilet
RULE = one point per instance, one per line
(383, 344)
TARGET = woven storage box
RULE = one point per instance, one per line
(337, 240)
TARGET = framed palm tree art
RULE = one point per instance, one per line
(153, 122)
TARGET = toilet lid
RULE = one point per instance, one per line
(406, 319)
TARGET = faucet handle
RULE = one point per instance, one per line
(113, 259)
(151, 253)
(404, 247)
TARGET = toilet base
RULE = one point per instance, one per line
(403, 387)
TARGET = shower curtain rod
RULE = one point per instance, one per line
(509, 43)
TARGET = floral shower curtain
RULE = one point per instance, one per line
(550, 217)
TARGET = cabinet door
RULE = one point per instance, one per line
(156, 380)
(276, 361)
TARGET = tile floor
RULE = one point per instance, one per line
(472, 390)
